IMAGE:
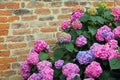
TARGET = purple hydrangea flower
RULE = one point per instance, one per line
(92, 48)
(59, 64)
(25, 75)
(85, 57)
(81, 41)
(71, 76)
(35, 76)
(76, 15)
(65, 25)
(64, 37)
(110, 36)
(116, 32)
(89, 79)
(33, 58)
(25, 66)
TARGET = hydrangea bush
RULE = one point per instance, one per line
(88, 48)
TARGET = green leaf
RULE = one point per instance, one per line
(43, 56)
(84, 18)
(92, 30)
(117, 23)
(79, 32)
(119, 49)
(115, 63)
(107, 13)
(62, 77)
(77, 78)
(58, 54)
(70, 46)
(86, 34)
(100, 19)
(93, 18)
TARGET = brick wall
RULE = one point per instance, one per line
(24, 21)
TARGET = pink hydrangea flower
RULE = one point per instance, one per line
(25, 75)
(40, 45)
(25, 66)
(81, 41)
(116, 32)
(59, 64)
(33, 58)
(65, 25)
(47, 73)
(64, 37)
(116, 14)
(76, 15)
(76, 24)
(71, 76)
(43, 64)
(113, 53)
(113, 44)
(93, 70)
(92, 48)
(70, 68)
(35, 76)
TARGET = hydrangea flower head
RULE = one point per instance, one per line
(43, 64)
(116, 14)
(65, 25)
(92, 11)
(70, 68)
(93, 70)
(85, 57)
(81, 41)
(40, 45)
(76, 15)
(25, 66)
(64, 37)
(89, 79)
(34, 76)
(33, 58)
(76, 24)
(113, 44)
(116, 32)
(71, 76)
(59, 64)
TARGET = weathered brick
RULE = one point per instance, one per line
(3, 32)
(4, 26)
(46, 18)
(22, 4)
(29, 18)
(71, 3)
(19, 25)
(15, 65)
(37, 24)
(22, 58)
(21, 31)
(44, 36)
(66, 10)
(20, 52)
(31, 43)
(5, 12)
(48, 29)
(15, 38)
(3, 46)
(13, 18)
(55, 23)
(7, 60)
(22, 12)
(1, 39)
(51, 41)
(56, 4)
(64, 17)
(2, 5)
(13, 5)
(8, 73)
(35, 4)
(55, 11)
(83, 3)
(3, 19)
(42, 11)
(30, 37)
(35, 30)
(16, 77)
(4, 53)
(109, 4)
(17, 45)
(4, 67)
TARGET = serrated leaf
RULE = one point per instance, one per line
(43, 56)
(93, 18)
(115, 63)
(100, 19)
(70, 46)
(117, 23)
(92, 30)
(86, 34)
(107, 14)
(79, 32)
(58, 53)
(84, 18)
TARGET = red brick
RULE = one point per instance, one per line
(2, 6)
(29, 18)
(3, 46)
(8, 73)
(19, 45)
(35, 30)
(66, 10)
(56, 4)
(4, 53)
(22, 58)
(64, 17)
(18, 52)
(48, 29)
(5, 12)
(7, 60)
(13, 5)
(3, 32)
(55, 23)
(13, 18)
(70, 4)
(4, 26)
(43, 11)
(35, 4)
(21, 31)
(1, 39)
(3, 19)
(15, 38)
(55, 11)
(4, 67)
